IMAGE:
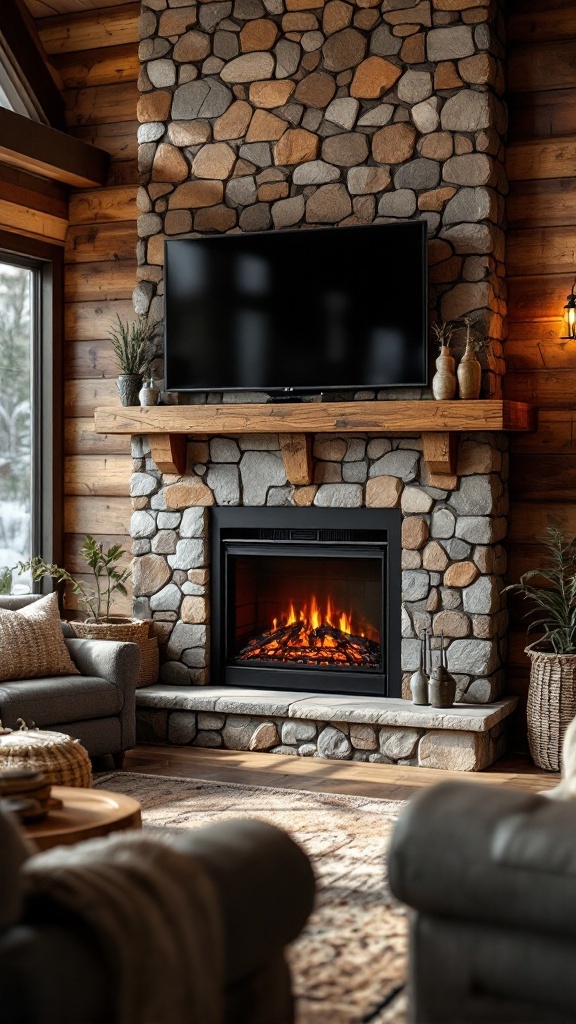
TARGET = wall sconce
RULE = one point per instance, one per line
(570, 314)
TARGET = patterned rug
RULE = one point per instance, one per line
(349, 964)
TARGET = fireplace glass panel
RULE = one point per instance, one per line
(320, 612)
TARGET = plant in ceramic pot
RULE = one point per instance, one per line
(444, 380)
(132, 343)
(551, 592)
(469, 371)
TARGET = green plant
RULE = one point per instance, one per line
(5, 580)
(108, 577)
(556, 601)
(131, 343)
(443, 333)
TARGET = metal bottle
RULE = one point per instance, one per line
(442, 686)
(419, 680)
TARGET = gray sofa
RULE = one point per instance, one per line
(491, 877)
(97, 707)
(52, 971)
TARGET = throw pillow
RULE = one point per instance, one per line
(32, 643)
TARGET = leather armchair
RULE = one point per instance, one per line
(97, 707)
(53, 972)
(491, 877)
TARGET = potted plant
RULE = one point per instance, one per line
(469, 372)
(131, 344)
(552, 690)
(444, 380)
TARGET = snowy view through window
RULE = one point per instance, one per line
(15, 422)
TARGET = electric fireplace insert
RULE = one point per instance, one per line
(307, 599)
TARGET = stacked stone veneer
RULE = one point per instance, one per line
(267, 114)
(452, 528)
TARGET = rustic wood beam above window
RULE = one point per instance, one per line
(52, 154)
(25, 70)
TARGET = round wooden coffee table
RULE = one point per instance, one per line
(85, 813)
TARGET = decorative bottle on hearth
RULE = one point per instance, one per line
(419, 680)
(442, 685)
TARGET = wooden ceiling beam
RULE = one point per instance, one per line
(24, 54)
(42, 150)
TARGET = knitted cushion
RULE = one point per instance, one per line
(31, 642)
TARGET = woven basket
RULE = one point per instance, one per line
(63, 761)
(551, 704)
(133, 631)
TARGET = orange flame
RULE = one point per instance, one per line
(312, 616)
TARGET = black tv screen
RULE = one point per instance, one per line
(308, 310)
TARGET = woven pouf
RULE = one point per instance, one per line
(63, 761)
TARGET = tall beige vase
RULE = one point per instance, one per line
(444, 380)
(469, 375)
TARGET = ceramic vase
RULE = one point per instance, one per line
(129, 385)
(444, 380)
(442, 686)
(469, 375)
(419, 682)
(148, 394)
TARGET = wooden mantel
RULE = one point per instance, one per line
(167, 426)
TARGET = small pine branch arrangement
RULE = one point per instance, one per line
(556, 603)
(472, 336)
(443, 333)
(131, 341)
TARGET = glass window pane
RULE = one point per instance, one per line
(16, 353)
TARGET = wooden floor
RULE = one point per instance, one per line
(374, 780)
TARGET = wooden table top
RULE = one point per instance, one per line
(85, 813)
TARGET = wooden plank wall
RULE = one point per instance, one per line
(96, 55)
(541, 264)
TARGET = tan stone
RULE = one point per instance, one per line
(194, 194)
(303, 5)
(365, 19)
(271, 94)
(474, 457)
(419, 14)
(194, 609)
(405, 30)
(363, 737)
(447, 271)
(270, 191)
(330, 449)
(337, 15)
(304, 496)
(435, 557)
(234, 122)
(264, 737)
(215, 160)
(154, 106)
(344, 49)
(478, 70)
(249, 67)
(328, 473)
(179, 496)
(411, 559)
(329, 204)
(383, 492)
(458, 5)
(437, 146)
(178, 222)
(346, 150)
(149, 574)
(198, 451)
(433, 602)
(191, 47)
(414, 529)
(189, 133)
(296, 147)
(260, 34)
(367, 180)
(199, 576)
(265, 127)
(311, 60)
(177, 20)
(436, 199)
(139, 503)
(453, 751)
(446, 76)
(394, 144)
(414, 49)
(169, 164)
(416, 500)
(316, 90)
(300, 21)
(460, 574)
(215, 218)
(242, 168)
(155, 250)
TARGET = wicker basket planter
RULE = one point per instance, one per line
(63, 760)
(134, 631)
(551, 704)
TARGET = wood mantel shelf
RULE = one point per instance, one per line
(167, 426)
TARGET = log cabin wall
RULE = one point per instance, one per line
(96, 55)
(541, 263)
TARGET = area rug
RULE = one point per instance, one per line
(349, 964)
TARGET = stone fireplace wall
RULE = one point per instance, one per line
(268, 114)
(452, 556)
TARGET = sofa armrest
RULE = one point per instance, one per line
(480, 853)
(119, 663)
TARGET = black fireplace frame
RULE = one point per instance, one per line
(388, 522)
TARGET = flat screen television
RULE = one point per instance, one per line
(303, 311)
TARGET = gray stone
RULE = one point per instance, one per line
(224, 449)
(226, 44)
(377, 116)
(415, 500)
(175, 674)
(238, 732)
(418, 174)
(397, 743)
(356, 450)
(471, 238)
(482, 597)
(210, 15)
(478, 657)
(339, 496)
(298, 732)
(287, 58)
(363, 737)
(190, 554)
(443, 524)
(334, 745)
(142, 524)
(449, 43)
(151, 725)
(208, 739)
(471, 204)
(287, 212)
(184, 636)
(224, 481)
(450, 599)
(411, 650)
(354, 472)
(377, 447)
(343, 112)
(255, 218)
(162, 73)
(139, 446)
(140, 547)
(141, 298)
(181, 727)
(415, 86)
(241, 191)
(402, 464)
(164, 543)
(307, 750)
(204, 98)
(285, 750)
(314, 172)
(249, 67)
(278, 496)
(247, 10)
(168, 520)
(452, 751)
(415, 585)
(467, 111)
(149, 224)
(142, 484)
(195, 657)
(457, 549)
(259, 471)
(211, 720)
(426, 115)
(383, 43)
(167, 600)
(257, 153)
(469, 169)
(476, 496)
(264, 736)
(193, 522)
